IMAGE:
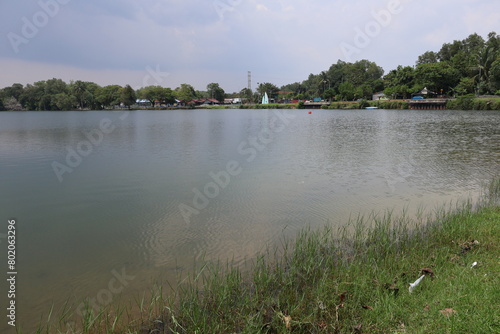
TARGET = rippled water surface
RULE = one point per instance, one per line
(130, 201)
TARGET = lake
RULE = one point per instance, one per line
(107, 202)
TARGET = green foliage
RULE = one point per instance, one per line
(346, 91)
(427, 57)
(109, 96)
(185, 92)
(128, 96)
(465, 102)
(437, 76)
(64, 101)
(156, 93)
(300, 105)
(462, 67)
(466, 86)
(269, 88)
(363, 104)
(216, 92)
(399, 82)
(469, 102)
(246, 94)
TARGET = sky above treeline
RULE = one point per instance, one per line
(169, 42)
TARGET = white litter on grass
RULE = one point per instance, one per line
(473, 265)
(414, 284)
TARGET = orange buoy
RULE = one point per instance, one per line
(310, 112)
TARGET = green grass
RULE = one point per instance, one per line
(351, 280)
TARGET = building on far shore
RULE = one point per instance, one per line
(200, 102)
(379, 96)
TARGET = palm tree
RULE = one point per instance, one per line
(79, 89)
(484, 59)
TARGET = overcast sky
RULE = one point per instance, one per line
(169, 42)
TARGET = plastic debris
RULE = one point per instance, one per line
(414, 284)
(473, 265)
(448, 312)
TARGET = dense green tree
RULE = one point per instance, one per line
(329, 94)
(467, 85)
(79, 90)
(363, 92)
(437, 76)
(400, 82)
(269, 88)
(32, 95)
(247, 94)
(86, 94)
(216, 92)
(485, 59)
(185, 92)
(346, 91)
(64, 101)
(427, 57)
(495, 76)
(128, 96)
(154, 93)
(14, 91)
(109, 95)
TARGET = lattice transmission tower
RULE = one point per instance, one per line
(249, 81)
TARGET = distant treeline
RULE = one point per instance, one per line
(460, 68)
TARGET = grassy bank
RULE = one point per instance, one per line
(352, 280)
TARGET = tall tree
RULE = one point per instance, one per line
(437, 76)
(247, 94)
(215, 92)
(269, 88)
(128, 96)
(427, 57)
(400, 82)
(109, 95)
(185, 92)
(14, 91)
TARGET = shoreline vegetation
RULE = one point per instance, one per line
(470, 103)
(462, 103)
(355, 279)
(464, 69)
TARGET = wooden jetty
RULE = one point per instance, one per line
(315, 105)
(422, 104)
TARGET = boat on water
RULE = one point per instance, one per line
(371, 107)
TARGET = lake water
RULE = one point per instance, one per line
(112, 201)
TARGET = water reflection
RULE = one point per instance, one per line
(120, 206)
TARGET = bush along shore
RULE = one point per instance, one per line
(382, 274)
(461, 103)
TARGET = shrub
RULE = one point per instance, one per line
(363, 104)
